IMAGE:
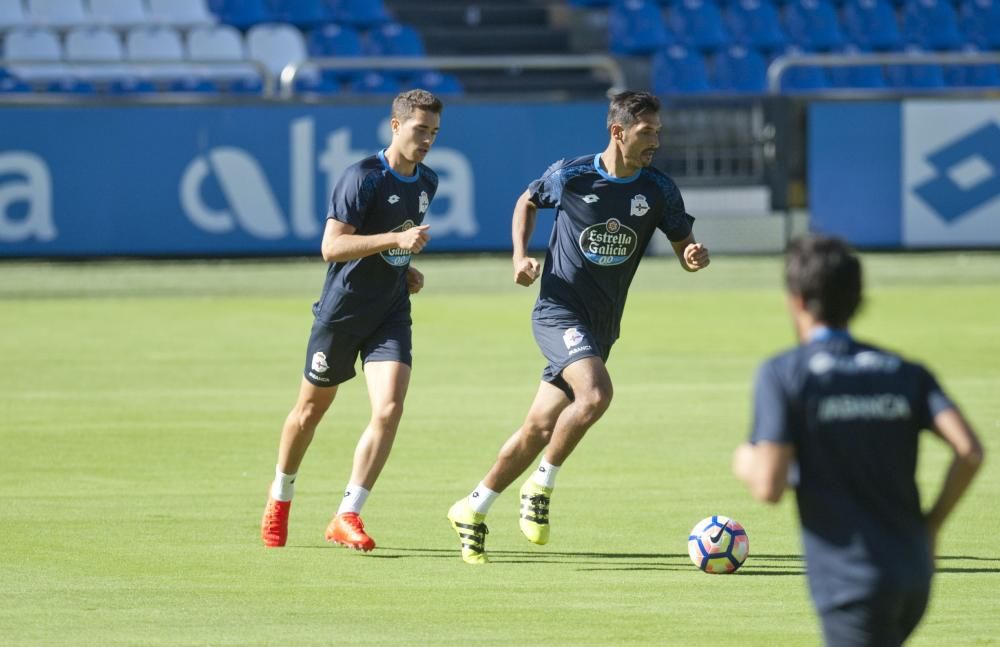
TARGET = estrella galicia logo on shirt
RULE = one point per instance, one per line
(608, 243)
(639, 205)
(396, 256)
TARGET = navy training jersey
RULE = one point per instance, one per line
(853, 413)
(602, 227)
(374, 199)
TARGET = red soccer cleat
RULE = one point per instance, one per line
(347, 529)
(274, 525)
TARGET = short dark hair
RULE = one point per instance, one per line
(626, 107)
(826, 273)
(406, 102)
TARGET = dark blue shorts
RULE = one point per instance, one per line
(884, 620)
(562, 342)
(333, 349)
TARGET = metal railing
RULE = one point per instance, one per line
(596, 62)
(776, 70)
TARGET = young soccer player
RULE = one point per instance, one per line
(372, 229)
(846, 416)
(608, 206)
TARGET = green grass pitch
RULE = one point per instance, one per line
(140, 405)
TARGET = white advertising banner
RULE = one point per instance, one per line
(951, 173)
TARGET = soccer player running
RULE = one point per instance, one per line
(848, 415)
(372, 229)
(608, 206)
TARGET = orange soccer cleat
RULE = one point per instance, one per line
(347, 529)
(274, 525)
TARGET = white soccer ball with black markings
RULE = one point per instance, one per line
(718, 545)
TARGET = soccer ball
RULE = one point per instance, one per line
(718, 545)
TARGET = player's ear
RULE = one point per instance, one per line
(617, 132)
(394, 125)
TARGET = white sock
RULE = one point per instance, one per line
(545, 475)
(354, 499)
(283, 486)
(482, 499)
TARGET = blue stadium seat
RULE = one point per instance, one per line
(301, 13)
(362, 14)
(802, 79)
(144, 44)
(859, 77)
(12, 16)
(336, 41)
(980, 21)
(70, 86)
(931, 24)
(95, 44)
(193, 85)
(13, 85)
(242, 13)
(590, 3)
(740, 70)
(871, 25)
(394, 39)
(131, 85)
(375, 83)
(636, 28)
(699, 24)
(915, 77)
(813, 25)
(972, 76)
(56, 14)
(442, 84)
(182, 14)
(118, 14)
(42, 47)
(756, 24)
(679, 70)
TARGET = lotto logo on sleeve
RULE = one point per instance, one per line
(398, 257)
(608, 243)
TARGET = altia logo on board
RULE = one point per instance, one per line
(25, 180)
(608, 243)
(252, 207)
(396, 256)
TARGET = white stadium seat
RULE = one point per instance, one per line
(89, 44)
(35, 45)
(160, 44)
(220, 43)
(56, 14)
(275, 46)
(180, 13)
(120, 14)
(12, 15)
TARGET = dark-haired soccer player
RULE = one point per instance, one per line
(372, 229)
(608, 206)
(848, 414)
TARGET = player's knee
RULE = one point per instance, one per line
(594, 401)
(536, 431)
(308, 415)
(387, 414)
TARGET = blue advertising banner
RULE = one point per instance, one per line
(219, 180)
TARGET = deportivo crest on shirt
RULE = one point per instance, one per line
(396, 256)
(393, 199)
(572, 337)
(424, 202)
(319, 362)
(639, 205)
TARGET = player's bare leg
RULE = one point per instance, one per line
(296, 435)
(387, 386)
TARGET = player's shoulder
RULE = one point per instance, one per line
(427, 173)
(571, 165)
(368, 168)
(888, 360)
(665, 183)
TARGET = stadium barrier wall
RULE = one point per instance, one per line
(254, 179)
(909, 174)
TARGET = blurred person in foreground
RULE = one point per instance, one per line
(839, 420)
(372, 229)
(608, 206)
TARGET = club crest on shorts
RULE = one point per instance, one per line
(319, 364)
(639, 205)
(396, 256)
(608, 243)
(424, 202)
(572, 337)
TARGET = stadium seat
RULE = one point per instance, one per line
(222, 43)
(13, 85)
(394, 39)
(931, 24)
(376, 83)
(144, 44)
(740, 70)
(56, 14)
(12, 16)
(755, 23)
(679, 70)
(589, 3)
(277, 45)
(362, 14)
(813, 25)
(915, 77)
(636, 28)
(182, 14)
(242, 13)
(336, 41)
(131, 85)
(972, 76)
(70, 86)
(301, 13)
(871, 25)
(802, 79)
(857, 77)
(193, 85)
(118, 14)
(980, 20)
(90, 44)
(42, 47)
(441, 84)
(699, 24)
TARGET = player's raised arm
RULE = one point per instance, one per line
(526, 269)
(341, 243)
(692, 255)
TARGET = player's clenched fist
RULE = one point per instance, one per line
(414, 239)
(414, 280)
(696, 257)
(526, 270)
